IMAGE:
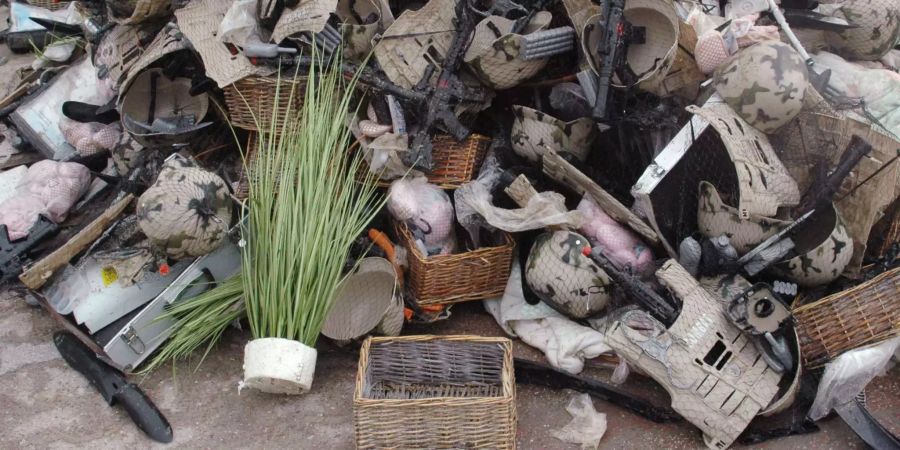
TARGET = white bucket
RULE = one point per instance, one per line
(278, 366)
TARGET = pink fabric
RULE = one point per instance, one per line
(710, 51)
(619, 243)
(427, 207)
(90, 138)
(49, 188)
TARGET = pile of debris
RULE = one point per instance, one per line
(705, 191)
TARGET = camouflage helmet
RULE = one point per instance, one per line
(878, 29)
(186, 212)
(561, 276)
(497, 61)
(533, 131)
(764, 83)
(824, 248)
(715, 218)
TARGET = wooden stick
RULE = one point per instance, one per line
(560, 170)
(41, 271)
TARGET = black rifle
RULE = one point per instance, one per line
(823, 189)
(445, 95)
(658, 306)
(14, 255)
(611, 53)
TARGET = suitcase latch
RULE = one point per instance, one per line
(133, 340)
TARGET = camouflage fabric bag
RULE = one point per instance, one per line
(357, 35)
(562, 277)
(534, 131)
(764, 83)
(878, 29)
(187, 212)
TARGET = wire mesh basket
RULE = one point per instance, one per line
(52, 5)
(253, 100)
(865, 314)
(459, 277)
(455, 162)
(436, 392)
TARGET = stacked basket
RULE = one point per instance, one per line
(455, 162)
(257, 103)
(459, 277)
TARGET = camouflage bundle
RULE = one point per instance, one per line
(187, 212)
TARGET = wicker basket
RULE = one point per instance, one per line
(455, 163)
(866, 314)
(251, 101)
(435, 392)
(52, 5)
(460, 277)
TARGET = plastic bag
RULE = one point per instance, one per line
(587, 426)
(240, 23)
(427, 210)
(474, 207)
(848, 374)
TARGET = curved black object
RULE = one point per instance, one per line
(113, 386)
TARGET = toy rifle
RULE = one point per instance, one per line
(14, 254)
(612, 50)
(445, 95)
(659, 307)
(823, 189)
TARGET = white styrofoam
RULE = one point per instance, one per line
(278, 366)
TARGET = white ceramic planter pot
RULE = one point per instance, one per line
(279, 366)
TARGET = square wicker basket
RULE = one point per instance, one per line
(435, 392)
(474, 275)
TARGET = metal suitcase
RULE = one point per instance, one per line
(131, 339)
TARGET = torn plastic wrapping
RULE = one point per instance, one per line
(240, 23)
(587, 426)
(475, 208)
(848, 374)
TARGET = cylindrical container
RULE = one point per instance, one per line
(279, 366)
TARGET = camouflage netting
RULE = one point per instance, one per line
(187, 212)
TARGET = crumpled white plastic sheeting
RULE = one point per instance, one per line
(565, 343)
(848, 374)
(878, 88)
(474, 206)
(49, 188)
(587, 426)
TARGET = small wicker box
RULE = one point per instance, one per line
(474, 275)
(435, 392)
(866, 314)
(455, 163)
(252, 100)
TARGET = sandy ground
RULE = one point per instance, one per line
(47, 405)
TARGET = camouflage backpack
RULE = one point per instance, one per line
(562, 277)
(186, 212)
(764, 83)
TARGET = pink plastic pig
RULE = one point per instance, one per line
(619, 243)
